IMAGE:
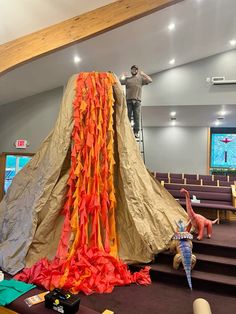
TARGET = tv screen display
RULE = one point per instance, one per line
(223, 150)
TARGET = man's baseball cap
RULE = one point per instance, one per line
(134, 67)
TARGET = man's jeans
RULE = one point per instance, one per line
(134, 109)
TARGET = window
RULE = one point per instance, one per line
(10, 165)
(14, 164)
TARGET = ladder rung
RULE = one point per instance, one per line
(140, 140)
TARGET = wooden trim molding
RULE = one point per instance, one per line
(75, 30)
(232, 215)
(208, 150)
(19, 153)
(233, 195)
(2, 172)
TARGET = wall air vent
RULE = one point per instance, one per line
(220, 80)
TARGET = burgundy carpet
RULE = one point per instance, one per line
(20, 306)
(169, 292)
(157, 298)
(223, 234)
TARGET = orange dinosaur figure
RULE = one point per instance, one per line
(197, 221)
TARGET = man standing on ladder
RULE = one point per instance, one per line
(134, 85)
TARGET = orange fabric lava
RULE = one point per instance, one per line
(87, 255)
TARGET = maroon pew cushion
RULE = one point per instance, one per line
(166, 180)
(214, 189)
(220, 177)
(209, 182)
(210, 196)
(193, 181)
(162, 175)
(205, 177)
(176, 180)
(226, 183)
(209, 205)
(176, 175)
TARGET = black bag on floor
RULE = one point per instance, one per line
(62, 302)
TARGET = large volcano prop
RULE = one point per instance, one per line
(85, 204)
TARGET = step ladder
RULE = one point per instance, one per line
(140, 139)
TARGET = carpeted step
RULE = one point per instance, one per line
(215, 269)
(200, 280)
(205, 262)
(216, 264)
(218, 259)
(214, 249)
(165, 257)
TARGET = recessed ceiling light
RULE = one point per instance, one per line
(77, 59)
(171, 26)
(217, 122)
(232, 42)
(172, 61)
(173, 122)
(222, 113)
(173, 113)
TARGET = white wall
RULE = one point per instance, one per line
(186, 85)
(31, 118)
(176, 149)
(167, 149)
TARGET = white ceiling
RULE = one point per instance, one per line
(205, 116)
(203, 28)
(22, 17)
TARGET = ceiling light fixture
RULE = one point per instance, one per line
(173, 113)
(173, 122)
(217, 122)
(172, 61)
(171, 26)
(232, 42)
(77, 59)
(222, 113)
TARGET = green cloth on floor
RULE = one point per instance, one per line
(12, 289)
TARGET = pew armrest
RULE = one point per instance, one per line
(233, 188)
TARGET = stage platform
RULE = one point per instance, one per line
(213, 278)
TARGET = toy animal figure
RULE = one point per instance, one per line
(199, 222)
(181, 244)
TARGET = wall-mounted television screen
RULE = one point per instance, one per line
(223, 150)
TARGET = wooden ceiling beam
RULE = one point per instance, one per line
(74, 30)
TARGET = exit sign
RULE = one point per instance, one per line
(21, 143)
